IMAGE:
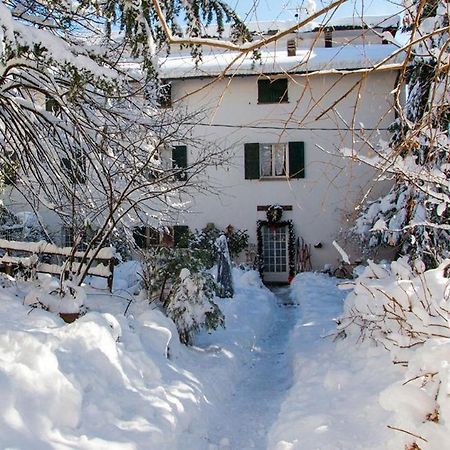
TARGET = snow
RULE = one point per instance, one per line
(104, 381)
(333, 402)
(280, 376)
(391, 21)
(306, 60)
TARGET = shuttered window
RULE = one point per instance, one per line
(165, 95)
(74, 166)
(274, 160)
(179, 162)
(273, 91)
(296, 159)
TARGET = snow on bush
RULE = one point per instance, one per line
(407, 310)
(191, 306)
(54, 296)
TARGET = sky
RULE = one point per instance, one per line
(262, 10)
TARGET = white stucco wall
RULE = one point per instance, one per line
(324, 201)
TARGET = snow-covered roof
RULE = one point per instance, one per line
(363, 21)
(259, 28)
(276, 62)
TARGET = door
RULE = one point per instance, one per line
(275, 252)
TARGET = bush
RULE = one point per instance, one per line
(203, 242)
(190, 305)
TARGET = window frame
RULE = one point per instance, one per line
(294, 161)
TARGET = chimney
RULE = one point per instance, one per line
(291, 47)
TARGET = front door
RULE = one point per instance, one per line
(275, 252)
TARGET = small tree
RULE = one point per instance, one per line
(191, 307)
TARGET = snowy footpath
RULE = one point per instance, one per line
(244, 411)
(333, 403)
(118, 379)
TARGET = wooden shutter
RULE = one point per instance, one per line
(251, 160)
(296, 159)
(180, 235)
(273, 91)
(179, 161)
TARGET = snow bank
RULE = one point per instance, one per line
(333, 402)
(407, 310)
(104, 381)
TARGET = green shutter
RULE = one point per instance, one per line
(180, 236)
(179, 161)
(297, 159)
(251, 159)
(273, 91)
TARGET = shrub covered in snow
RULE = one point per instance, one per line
(190, 305)
(407, 310)
(52, 295)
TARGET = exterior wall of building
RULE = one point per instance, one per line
(323, 203)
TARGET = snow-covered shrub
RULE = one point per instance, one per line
(190, 305)
(203, 242)
(407, 310)
(53, 296)
(22, 226)
(398, 305)
(161, 267)
(413, 216)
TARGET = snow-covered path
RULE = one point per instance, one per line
(242, 420)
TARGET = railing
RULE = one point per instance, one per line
(42, 257)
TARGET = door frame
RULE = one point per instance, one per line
(290, 244)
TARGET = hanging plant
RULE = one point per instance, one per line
(274, 213)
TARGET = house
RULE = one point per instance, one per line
(274, 124)
(281, 118)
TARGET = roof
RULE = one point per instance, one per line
(277, 62)
(258, 28)
(363, 21)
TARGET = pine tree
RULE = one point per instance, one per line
(414, 215)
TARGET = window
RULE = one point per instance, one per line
(274, 160)
(328, 38)
(273, 91)
(51, 105)
(82, 235)
(67, 237)
(179, 162)
(165, 95)
(75, 167)
(148, 237)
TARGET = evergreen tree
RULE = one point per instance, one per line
(414, 215)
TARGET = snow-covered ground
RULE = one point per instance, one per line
(274, 379)
(105, 381)
(333, 403)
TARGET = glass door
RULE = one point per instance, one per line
(275, 253)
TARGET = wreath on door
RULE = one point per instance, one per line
(274, 214)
